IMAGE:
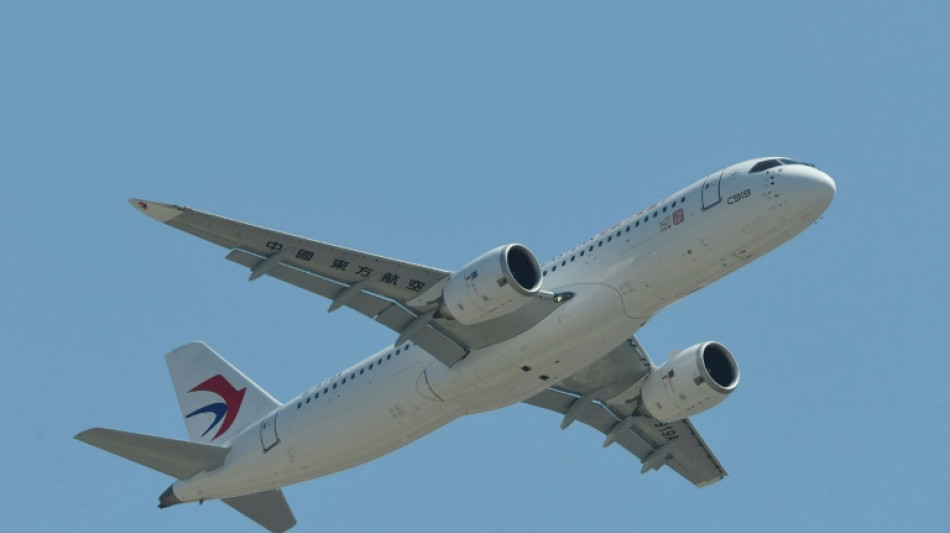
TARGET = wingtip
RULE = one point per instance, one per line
(84, 435)
(159, 211)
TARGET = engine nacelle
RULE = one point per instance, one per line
(691, 382)
(495, 284)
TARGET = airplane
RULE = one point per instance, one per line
(501, 330)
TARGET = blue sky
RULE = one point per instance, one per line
(431, 132)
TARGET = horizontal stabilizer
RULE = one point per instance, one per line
(177, 458)
(268, 508)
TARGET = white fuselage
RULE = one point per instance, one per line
(620, 278)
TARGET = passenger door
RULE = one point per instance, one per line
(269, 437)
(711, 195)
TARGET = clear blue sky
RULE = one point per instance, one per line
(432, 132)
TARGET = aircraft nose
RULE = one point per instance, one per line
(816, 187)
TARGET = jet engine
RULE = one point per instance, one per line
(497, 283)
(691, 382)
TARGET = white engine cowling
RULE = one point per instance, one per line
(691, 382)
(495, 284)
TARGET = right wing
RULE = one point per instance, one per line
(399, 295)
(397, 280)
(603, 396)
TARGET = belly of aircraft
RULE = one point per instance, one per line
(577, 334)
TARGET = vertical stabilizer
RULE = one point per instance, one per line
(216, 399)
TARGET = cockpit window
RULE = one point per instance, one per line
(772, 163)
(765, 165)
(787, 161)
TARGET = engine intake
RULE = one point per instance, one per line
(691, 382)
(493, 285)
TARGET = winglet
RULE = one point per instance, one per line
(158, 211)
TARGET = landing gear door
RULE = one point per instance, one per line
(269, 437)
(711, 195)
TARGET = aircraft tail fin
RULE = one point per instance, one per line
(177, 458)
(268, 508)
(217, 400)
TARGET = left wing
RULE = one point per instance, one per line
(603, 396)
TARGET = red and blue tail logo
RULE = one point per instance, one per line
(224, 412)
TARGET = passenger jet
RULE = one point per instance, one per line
(500, 330)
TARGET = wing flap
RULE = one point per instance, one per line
(382, 310)
(395, 318)
(588, 396)
(683, 449)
